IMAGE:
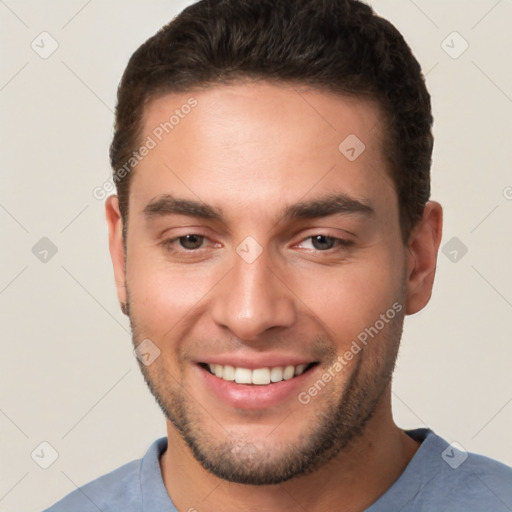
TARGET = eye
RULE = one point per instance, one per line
(186, 244)
(191, 242)
(324, 243)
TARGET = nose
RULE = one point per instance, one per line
(253, 299)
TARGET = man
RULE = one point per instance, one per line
(272, 228)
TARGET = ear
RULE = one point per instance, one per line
(422, 248)
(115, 242)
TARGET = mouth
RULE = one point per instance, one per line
(255, 383)
(257, 376)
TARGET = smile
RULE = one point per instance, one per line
(256, 376)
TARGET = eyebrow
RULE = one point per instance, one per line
(329, 205)
(169, 205)
(321, 207)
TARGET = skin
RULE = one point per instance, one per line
(249, 150)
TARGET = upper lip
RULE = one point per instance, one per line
(254, 361)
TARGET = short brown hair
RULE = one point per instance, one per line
(340, 46)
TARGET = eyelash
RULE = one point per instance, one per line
(340, 244)
(167, 244)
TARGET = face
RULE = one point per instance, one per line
(268, 269)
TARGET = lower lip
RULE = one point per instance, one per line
(253, 396)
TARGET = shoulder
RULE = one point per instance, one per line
(443, 476)
(121, 489)
(460, 480)
(477, 480)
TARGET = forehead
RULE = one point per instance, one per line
(253, 144)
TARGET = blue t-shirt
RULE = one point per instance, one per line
(439, 477)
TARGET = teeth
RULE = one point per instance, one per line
(243, 376)
(261, 376)
(276, 374)
(300, 369)
(289, 372)
(258, 376)
(228, 373)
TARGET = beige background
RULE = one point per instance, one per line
(67, 373)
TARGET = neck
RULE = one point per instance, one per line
(351, 481)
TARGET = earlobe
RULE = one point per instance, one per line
(115, 236)
(422, 248)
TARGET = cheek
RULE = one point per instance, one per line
(351, 298)
(161, 295)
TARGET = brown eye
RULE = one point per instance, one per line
(323, 243)
(191, 242)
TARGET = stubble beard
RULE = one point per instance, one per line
(330, 432)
